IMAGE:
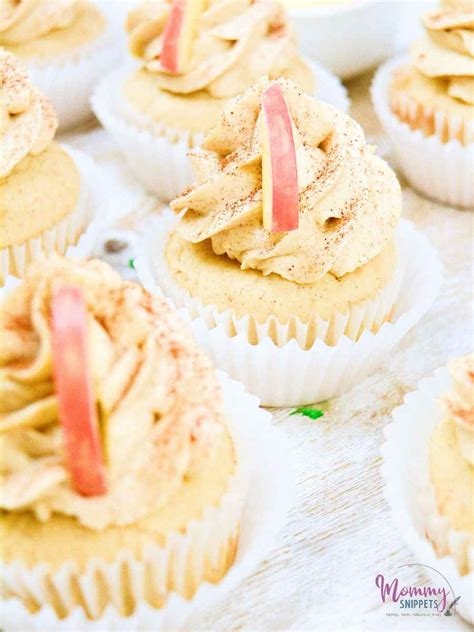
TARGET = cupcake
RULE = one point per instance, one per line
(120, 480)
(289, 233)
(451, 469)
(193, 59)
(426, 105)
(44, 204)
(433, 502)
(66, 46)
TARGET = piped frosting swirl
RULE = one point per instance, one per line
(447, 51)
(237, 42)
(159, 401)
(349, 199)
(28, 121)
(27, 20)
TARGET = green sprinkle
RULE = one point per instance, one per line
(131, 263)
(308, 411)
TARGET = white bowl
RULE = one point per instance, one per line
(350, 37)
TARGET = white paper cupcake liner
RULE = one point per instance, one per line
(77, 232)
(264, 480)
(157, 155)
(411, 498)
(442, 171)
(369, 314)
(68, 80)
(247, 351)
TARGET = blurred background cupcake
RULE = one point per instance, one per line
(430, 479)
(288, 239)
(328, 29)
(121, 479)
(46, 201)
(451, 460)
(426, 106)
(67, 46)
(187, 76)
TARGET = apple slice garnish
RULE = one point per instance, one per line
(279, 167)
(75, 393)
(179, 35)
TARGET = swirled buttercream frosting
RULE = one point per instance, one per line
(457, 4)
(459, 403)
(27, 20)
(349, 199)
(28, 121)
(447, 51)
(158, 398)
(237, 42)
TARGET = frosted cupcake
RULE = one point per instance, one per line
(289, 232)
(44, 203)
(430, 480)
(426, 105)
(193, 59)
(120, 481)
(66, 45)
(451, 463)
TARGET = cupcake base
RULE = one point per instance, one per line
(270, 493)
(79, 228)
(219, 282)
(440, 170)
(68, 80)
(410, 495)
(247, 351)
(158, 155)
(407, 95)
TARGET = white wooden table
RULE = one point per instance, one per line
(339, 535)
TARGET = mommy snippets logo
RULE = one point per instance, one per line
(433, 599)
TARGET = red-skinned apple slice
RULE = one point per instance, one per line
(279, 167)
(74, 390)
(179, 35)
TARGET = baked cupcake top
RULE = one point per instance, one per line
(347, 201)
(227, 46)
(28, 122)
(459, 403)
(159, 406)
(447, 51)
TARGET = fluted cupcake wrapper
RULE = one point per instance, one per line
(78, 230)
(411, 498)
(249, 516)
(298, 363)
(69, 79)
(157, 154)
(440, 170)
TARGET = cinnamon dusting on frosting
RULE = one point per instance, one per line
(159, 401)
(237, 42)
(28, 121)
(349, 199)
